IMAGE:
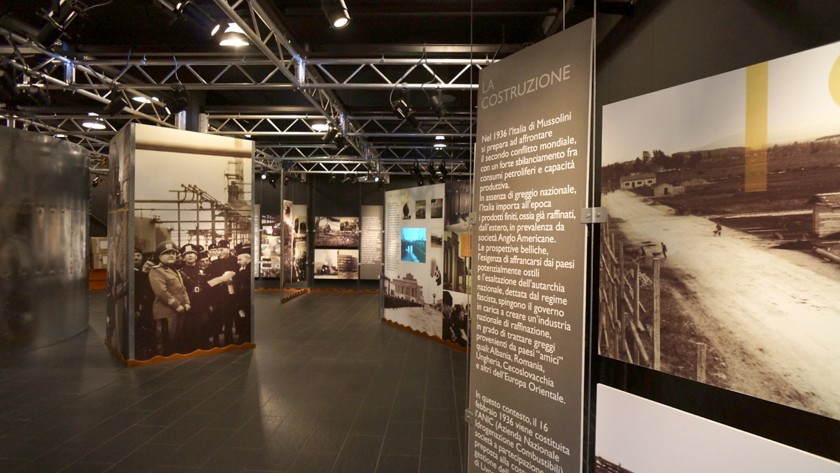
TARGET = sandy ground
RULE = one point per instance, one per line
(773, 314)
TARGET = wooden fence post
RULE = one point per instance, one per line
(701, 362)
(657, 317)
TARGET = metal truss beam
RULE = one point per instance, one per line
(59, 72)
(274, 43)
(258, 73)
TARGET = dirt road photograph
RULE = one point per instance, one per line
(720, 260)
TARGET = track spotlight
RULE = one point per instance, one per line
(8, 85)
(273, 182)
(233, 37)
(263, 176)
(180, 100)
(330, 135)
(340, 142)
(116, 105)
(438, 104)
(38, 95)
(336, 12)
(442, 169)
(418, 174)
(402, 110)
(95, 181)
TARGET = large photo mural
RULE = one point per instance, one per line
(192, 225)
(720, 261)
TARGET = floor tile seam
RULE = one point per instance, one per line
(425, 401)
(384, 436)
(391, 419)
(461, 442)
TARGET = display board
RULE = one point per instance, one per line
(370, 264)
(532, 160)
(413, 285)
(635, 435)
(719, 262)
(457, 263)
(188, 232)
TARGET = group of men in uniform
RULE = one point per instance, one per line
(192, 299)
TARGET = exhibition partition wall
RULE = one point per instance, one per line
(43, 239)
(180, 234)
(413, 291)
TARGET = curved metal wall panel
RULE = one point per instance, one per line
(43, 239)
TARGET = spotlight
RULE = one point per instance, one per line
(38, 95)
(96, 180)
(321, 127)
(116, 105)
(418, 174)
(340, 142)
(8, 86)
(442, 169)
(263, 176)
(273, 182)
(438, 104)
(180, 99)
(234, 37)
(336, 12)
(402, 110)
(330, 135)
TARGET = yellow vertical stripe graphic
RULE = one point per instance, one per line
(755, 154)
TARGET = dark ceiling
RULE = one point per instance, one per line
(296, 72)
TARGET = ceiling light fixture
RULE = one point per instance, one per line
(336, 12)
(97, 124)
(234, 37)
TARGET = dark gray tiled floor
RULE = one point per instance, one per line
(328, 389)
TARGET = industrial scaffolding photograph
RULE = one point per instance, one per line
(720, 259)
(193, 233)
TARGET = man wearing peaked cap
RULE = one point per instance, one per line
(242, 293)
(171, 299)
(196, 325)
(222, 318)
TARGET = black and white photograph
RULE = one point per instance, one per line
(406, 304)
(436, 208)
(455, 317)
(420, 209)
(287, 238)
(728, 214)
(117, 284)
(456, 262)
(336, 263)
(193, 232)
(636, 435)
(458, 204)
(337, 232)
